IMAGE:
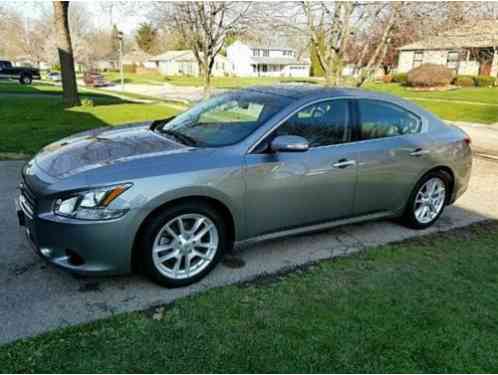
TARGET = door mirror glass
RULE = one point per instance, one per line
(289, 143)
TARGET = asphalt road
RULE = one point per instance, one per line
(35, 297)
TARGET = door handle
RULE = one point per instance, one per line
(419, 152)
(344, 163)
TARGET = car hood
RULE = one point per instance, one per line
(104, 146)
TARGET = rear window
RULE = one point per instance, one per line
(379, 119)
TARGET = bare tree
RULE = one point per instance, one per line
(65, 50)
(204, 27)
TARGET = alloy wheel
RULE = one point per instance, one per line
(185, 246)
(429, 200)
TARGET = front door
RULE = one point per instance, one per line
(292, 189)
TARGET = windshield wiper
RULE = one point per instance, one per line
(183, 138)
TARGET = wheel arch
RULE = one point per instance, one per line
(216, 203)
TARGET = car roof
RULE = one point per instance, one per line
(300, 91)
(315, 91)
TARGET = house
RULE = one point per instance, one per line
(139, 58)
(469, 50)
(254, 60)
(183, 62)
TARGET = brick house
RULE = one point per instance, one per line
(469, 50)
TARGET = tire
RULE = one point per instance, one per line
(158, 234)
(25, 80)
(417, 221)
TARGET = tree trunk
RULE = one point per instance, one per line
(206, 79)
(207, 85)
(65, 50)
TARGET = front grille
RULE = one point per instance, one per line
(27, 199)
(26, 206)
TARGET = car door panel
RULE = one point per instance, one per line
(393, 151)
(387, 172)
(288, 190)
(292, 189)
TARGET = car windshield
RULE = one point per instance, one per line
(225, 119)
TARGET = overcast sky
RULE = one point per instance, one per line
(126, 15)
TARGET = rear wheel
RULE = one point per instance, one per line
(183, 244)
(427, 200)
(25, 79)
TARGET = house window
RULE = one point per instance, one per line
(266, 52)
(452, 60)
(255, 52)
(418, 58)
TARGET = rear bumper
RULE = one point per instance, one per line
(462, 172)
(88, 248)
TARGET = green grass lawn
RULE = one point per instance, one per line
(147, 78)
(471, 94)
(428, 305)
(30, 122)
(14, 87)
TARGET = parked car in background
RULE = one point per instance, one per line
(54, 76)
(171, 197)
(25, 75)
(94, 79)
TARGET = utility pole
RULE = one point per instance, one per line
(120, 38)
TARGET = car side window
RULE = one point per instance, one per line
(380, 119)
(321, 124)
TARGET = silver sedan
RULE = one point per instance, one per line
(170, 197)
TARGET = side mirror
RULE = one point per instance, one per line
(289, 143)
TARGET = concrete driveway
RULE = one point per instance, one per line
(35, 297)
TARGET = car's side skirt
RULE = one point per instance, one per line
(316, 227)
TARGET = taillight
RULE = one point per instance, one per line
(467, 140)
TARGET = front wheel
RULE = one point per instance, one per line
(183, 244)
(427, 200)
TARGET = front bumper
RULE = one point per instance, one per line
(90, 248)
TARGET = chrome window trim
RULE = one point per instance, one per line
(423, 123)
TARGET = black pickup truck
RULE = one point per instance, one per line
(24, 75)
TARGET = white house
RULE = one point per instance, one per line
(139, 58)
(469, 50)
(252, 60)
(183, 62)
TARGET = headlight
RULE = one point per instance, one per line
(92, 205)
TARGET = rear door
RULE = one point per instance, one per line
(293, 189)
(393, 151)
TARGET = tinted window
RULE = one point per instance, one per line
(380, 119)
(322, 124)
(226, 119)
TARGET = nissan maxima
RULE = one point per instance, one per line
(170, 197)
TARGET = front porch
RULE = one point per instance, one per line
(267, 70)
